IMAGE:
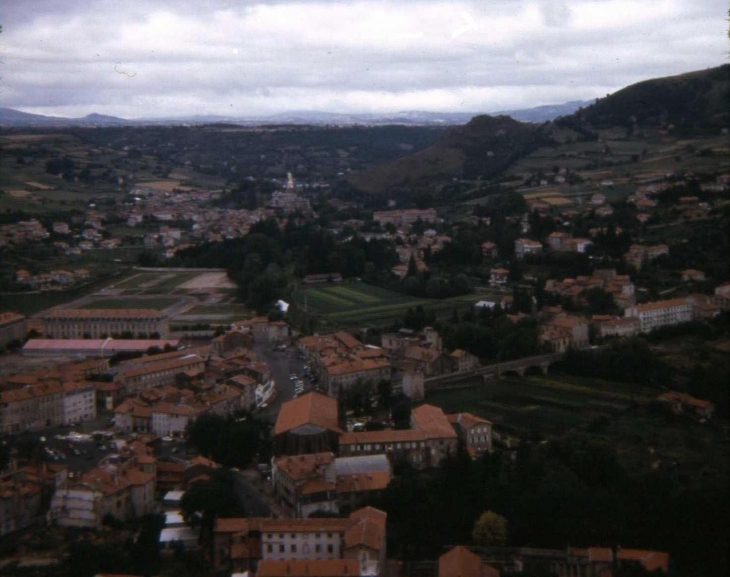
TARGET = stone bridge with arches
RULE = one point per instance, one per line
(518, 367)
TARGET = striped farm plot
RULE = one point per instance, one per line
(360, 304)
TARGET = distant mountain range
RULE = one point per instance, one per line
(12, 117)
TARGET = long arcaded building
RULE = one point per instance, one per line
(102, 323)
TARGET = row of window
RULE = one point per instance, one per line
(305, 548)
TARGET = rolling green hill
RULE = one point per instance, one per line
(693, 101)
(484, 147)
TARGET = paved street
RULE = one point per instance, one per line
(283, 364)
(250, 491)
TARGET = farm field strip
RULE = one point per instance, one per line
(541, 403)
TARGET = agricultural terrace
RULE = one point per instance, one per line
(549, 405)
(360, 304)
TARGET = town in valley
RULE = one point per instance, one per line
(477, 347)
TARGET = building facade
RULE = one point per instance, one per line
(101, 323)
(659, 314)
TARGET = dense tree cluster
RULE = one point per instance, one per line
(267, 263)
(233, 441)
(573, 491)
(491, 337)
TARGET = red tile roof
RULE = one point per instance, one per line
(467, 420)
(309, 409)
(312, 568)
(300, 467)
(369, 529)
(382, 437)
(432, 421)
(460, 562)
(110, 313)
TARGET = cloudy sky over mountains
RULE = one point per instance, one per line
(153, 58)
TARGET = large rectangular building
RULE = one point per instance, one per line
(102, 323)
(661, 313)
(32, 407)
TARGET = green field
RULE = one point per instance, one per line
(549, 405)
(361, 304)
(233, 310)
(156, 303)
(153, 283)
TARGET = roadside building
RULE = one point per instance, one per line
(32, 407)
(463, 360)
(79, 402)
(575, 327)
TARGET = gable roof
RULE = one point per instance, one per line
(466, 420)
(309, 409)
(432, 421)
(460, 562)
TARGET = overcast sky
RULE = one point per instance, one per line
(153, 58)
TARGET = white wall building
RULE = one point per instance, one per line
(661, 313)
(79, 402)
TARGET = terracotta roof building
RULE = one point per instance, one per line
(474, 432)
(307, 424)
(354, 545)
(460, 562)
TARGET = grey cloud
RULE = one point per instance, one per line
(61, 55)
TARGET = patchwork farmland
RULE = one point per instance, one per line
(549, 404)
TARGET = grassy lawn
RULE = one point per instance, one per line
(367, 305)
(156, 303)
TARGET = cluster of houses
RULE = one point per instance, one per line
(341, 361)
(320, 466)
(53, 280)
(22, 231)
